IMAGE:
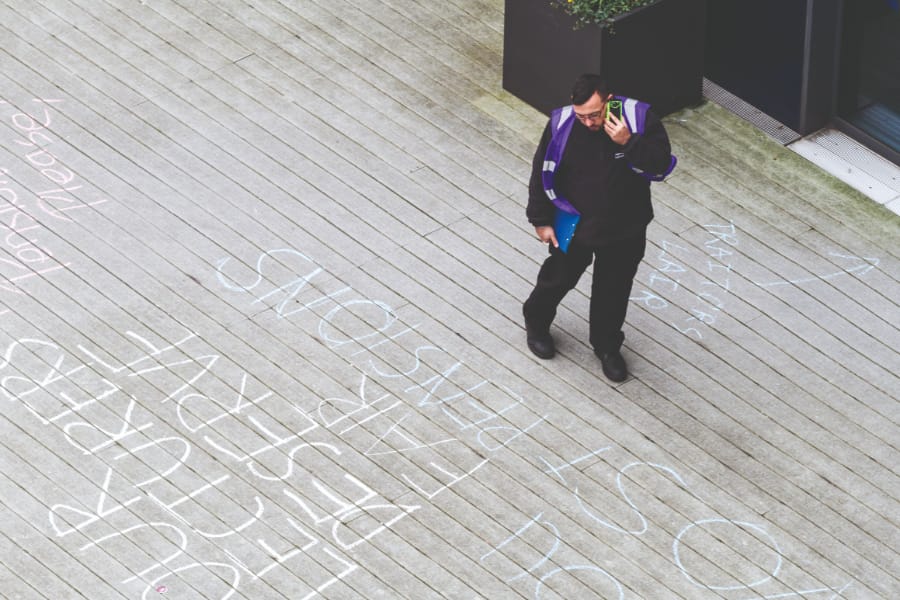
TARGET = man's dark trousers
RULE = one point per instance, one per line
(615, 266)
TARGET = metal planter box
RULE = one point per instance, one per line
(653, 53)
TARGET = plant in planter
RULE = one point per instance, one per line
(600, 12)
(651, 50)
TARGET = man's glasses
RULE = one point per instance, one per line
(594, 116)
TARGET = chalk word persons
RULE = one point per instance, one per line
(371, 335)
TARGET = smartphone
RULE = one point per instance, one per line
(614, 107)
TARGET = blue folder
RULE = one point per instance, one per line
(564, 228)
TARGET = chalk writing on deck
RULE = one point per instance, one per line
(859, 266)
(40, 186)
(674, 288)
(538, 550)
(268, 484)
(229, 486)
(413, 372)
(137, 453)
(550, 565)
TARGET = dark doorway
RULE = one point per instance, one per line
(755, 51)
(869, 89)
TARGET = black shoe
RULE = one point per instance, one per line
(541, 345)
(613, 365)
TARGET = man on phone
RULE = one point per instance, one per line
(596, 166)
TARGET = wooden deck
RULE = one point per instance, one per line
(261, 284)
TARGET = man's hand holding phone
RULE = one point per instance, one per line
(614, 107)
(614, 124)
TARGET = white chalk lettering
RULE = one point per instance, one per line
(454, 478)
(101, 511)
(772, 545)
(111, 437)
(128, 532)
(519, 535)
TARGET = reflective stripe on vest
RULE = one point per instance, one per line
(561, 121)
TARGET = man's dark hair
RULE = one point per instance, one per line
(586, 85)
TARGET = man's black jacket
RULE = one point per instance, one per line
(594, 176)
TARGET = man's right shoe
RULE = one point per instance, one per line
(541, 345)
(613, 365)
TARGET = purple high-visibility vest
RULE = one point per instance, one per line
(561, 121)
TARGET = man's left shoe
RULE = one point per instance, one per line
(541, 345)
(613, 365)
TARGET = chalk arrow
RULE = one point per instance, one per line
(862, 266)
